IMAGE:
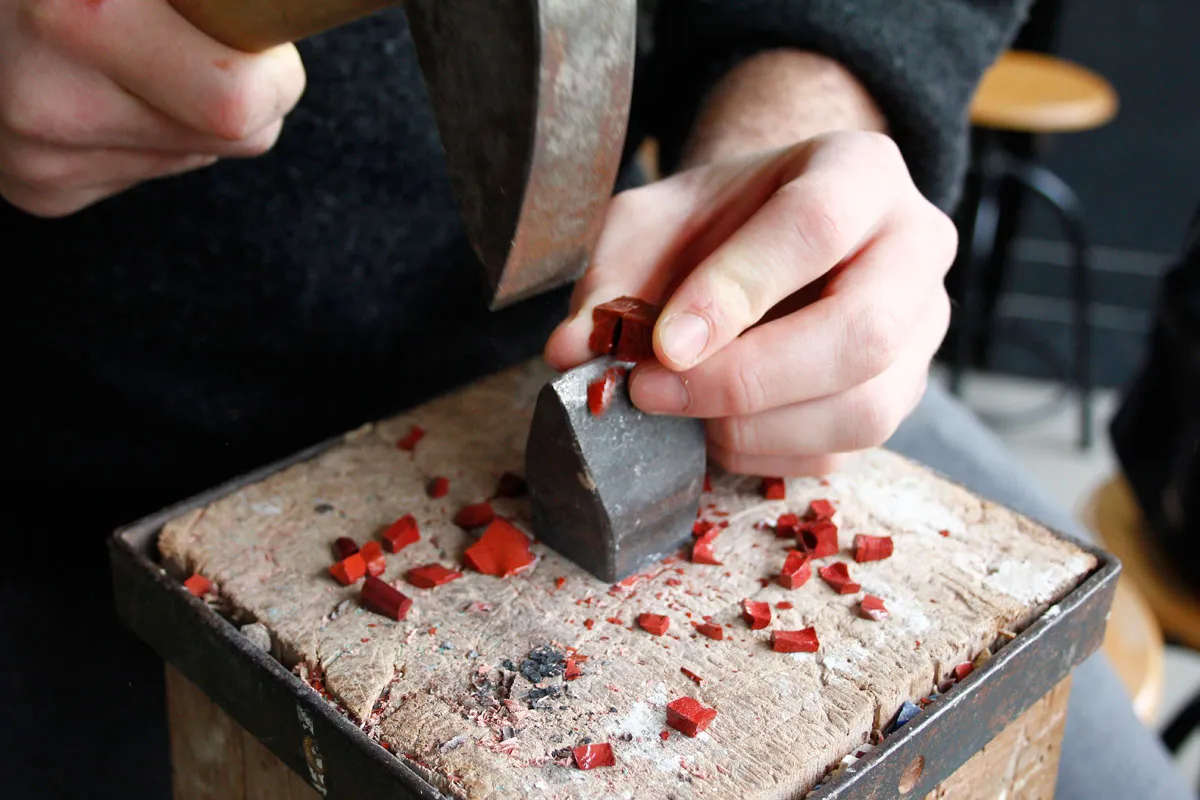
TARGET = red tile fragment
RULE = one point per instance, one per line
(344, 547)
(590, 756)
(559, 581)
(383, 598)
(801, 641)
(372, 553)
(702, 526)
(600, 391)
(871, 607)
(710, 630)
(707, 482)
(702, 548)
(787, 525)
(664, 735)
(198, 585)
(871, 548)
(410, 439)
(837, 575)
(656, 624)
(756, 613)
(511, 485)
(571, 671)
(589, 623)
(797, 569)
(783, 605)
(673, 582)
(431, 575)
(438, 487)
(474, 515)
(963, 670)
(349, 569)
(818, 539)
(502, 550)
(614, 620)
(696, 679)
(774, 488)
(944, 532)
(624, 328)
(819, 510)
(401, 533)
(689, 716)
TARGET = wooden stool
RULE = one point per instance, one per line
(1034, 94)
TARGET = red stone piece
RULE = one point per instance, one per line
(344, 547)
(664, 735)
(702, 548)
(757, 614)
(410, 439)
(963, 670)
(688, 716)
(198, 585)
(696, 679)
(624, 328)
(511, 485)
(787, 525)
(871, 607)
(600, 391)
(707, 482)
(383, 598)
(783, 605)
(590, 756)
(944, 532)
(801, 641)
(871, 548)
(819, 539)
(656, 624)
(438, 487)
(401, 533)
(837, 575)
(710, 630)
(372, 553)
(797, 569)
(502, 550)
(819, 510)
(474, 515)
(349, 569)
(702, 526)
(774, 488)
(571, 671)
(430, 575)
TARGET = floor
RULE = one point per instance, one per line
(1046, 445)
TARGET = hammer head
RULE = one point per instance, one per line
(616, 492)
(531, 99)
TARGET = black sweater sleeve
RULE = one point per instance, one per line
(919, 59)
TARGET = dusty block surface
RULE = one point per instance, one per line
(450, 689)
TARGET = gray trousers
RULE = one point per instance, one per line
(1107, 752)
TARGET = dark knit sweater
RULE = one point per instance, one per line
(196, 327)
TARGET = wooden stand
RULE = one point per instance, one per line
(213, 758)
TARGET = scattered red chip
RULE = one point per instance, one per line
(818, 539)
(696, 679)
(702, 526)
(963, 670)
(787, 525)
(783, 605)
(774, 488)
(944, 532)
(871, 607)
(438, 487)
(511, 485)
(664, 735)
(819, 510)
(590, 756)
(710, 630)
(372, 553)
(656, 624)
(344, 547)
(801, 641)
(702, 548)
(688, 716)
(410, 439)
(502, 550)
(349, 569)
(198, 585)
(382, 598)
(757, 614)
(571, 671)
(600, 391)
(797, 569)
(871, 548)
(430, 575)
(474, 515)
(837, 575)
(707, 482)
(401, 533)
(624, 328)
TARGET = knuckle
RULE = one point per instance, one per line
(872, 339)
(875, 419)
(744, 390)
(732, 433)
(815, 218)
(229, 112)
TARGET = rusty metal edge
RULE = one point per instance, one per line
(264, 697)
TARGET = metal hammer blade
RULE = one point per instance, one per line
(616, 492)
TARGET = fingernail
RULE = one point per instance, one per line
(657, 391)
(684, 337)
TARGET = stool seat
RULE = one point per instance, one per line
(1037, 93)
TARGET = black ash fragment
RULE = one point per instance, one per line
(531, 699)
(543, 662)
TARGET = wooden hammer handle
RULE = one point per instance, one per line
(255, 25)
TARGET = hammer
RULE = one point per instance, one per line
(531, 99)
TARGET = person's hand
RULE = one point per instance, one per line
(99, 95)
(802, 293)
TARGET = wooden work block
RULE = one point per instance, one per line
(453, 687)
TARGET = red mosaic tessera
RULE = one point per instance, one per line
(774, 488)
(656, 624)
(797, 569)
(624, 329)
(801, 641)
(430, 575)
(710, 630)
(474, 515)
(871, 607)
(502, 550)
(600, 391)
(401, 533)
(372, 553)
(198, 585)
(871, 548)
(344, 547)
(438, 487)
(818, 539)
(349, 569)
(410, 439)
(688, 716)
(837, 575)
(702, 548)
(788, 525)
(385, 599)
(756, 613)
(819, 510)
(590, 756)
